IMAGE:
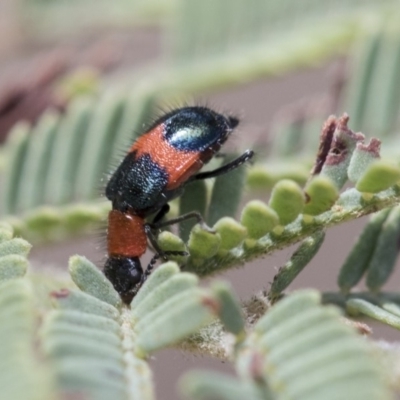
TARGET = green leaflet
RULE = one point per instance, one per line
(22, 375)
(358, 90)
(229, 311)
(358, 260)
(258, 218)
(204, 385)
(359, 306)
(13, 253)
(287, 200)
(15, 246)
(161, 275)
(163, 326)
(12, 266)
(35, 168)
(193, 199)
(89, 279)
(227, 192)
(383, 259)
(379, 176)
(68, 145)
(302, 256)
(363, 156)
(231, 232)
(321, 195)
(77, 300)
(16, 148)
(99, 140)
(170, 242)
(203, 244)
(171, 287)
(6, 232)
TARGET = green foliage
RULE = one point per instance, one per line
(87, 134)
(358, 260)
(225, 196)
(390, 317)
(379, 176)
(170, 242)
(229, 312)
(321, 194)
(297, 350)
(89, 279)
(303, 255)
(202, 243)
(22, 377)
(194, 199)
(78, 339)
(92, 345)
(231, 232)
(259, 219)
(13, 253)
(383, 259)
(287, 199)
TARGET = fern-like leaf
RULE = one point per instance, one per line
(299, 350)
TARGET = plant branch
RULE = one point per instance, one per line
(351, 205)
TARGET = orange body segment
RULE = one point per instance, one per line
(180, 165)
(126, 235)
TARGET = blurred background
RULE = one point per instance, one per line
(78, 79)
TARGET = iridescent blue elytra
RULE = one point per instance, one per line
(196, 129)
(156, 169)
(165, 158)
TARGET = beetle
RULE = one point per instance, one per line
(156, 170)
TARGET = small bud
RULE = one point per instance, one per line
(231, 232)
(380, 175)
(258, 218)
(170, 242)
(362, 157)
(203, 243)
(321, 194)
(342, 146)
(287, 200)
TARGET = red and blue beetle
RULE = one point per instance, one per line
(156, 170)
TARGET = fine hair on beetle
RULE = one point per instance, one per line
(155, 170)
